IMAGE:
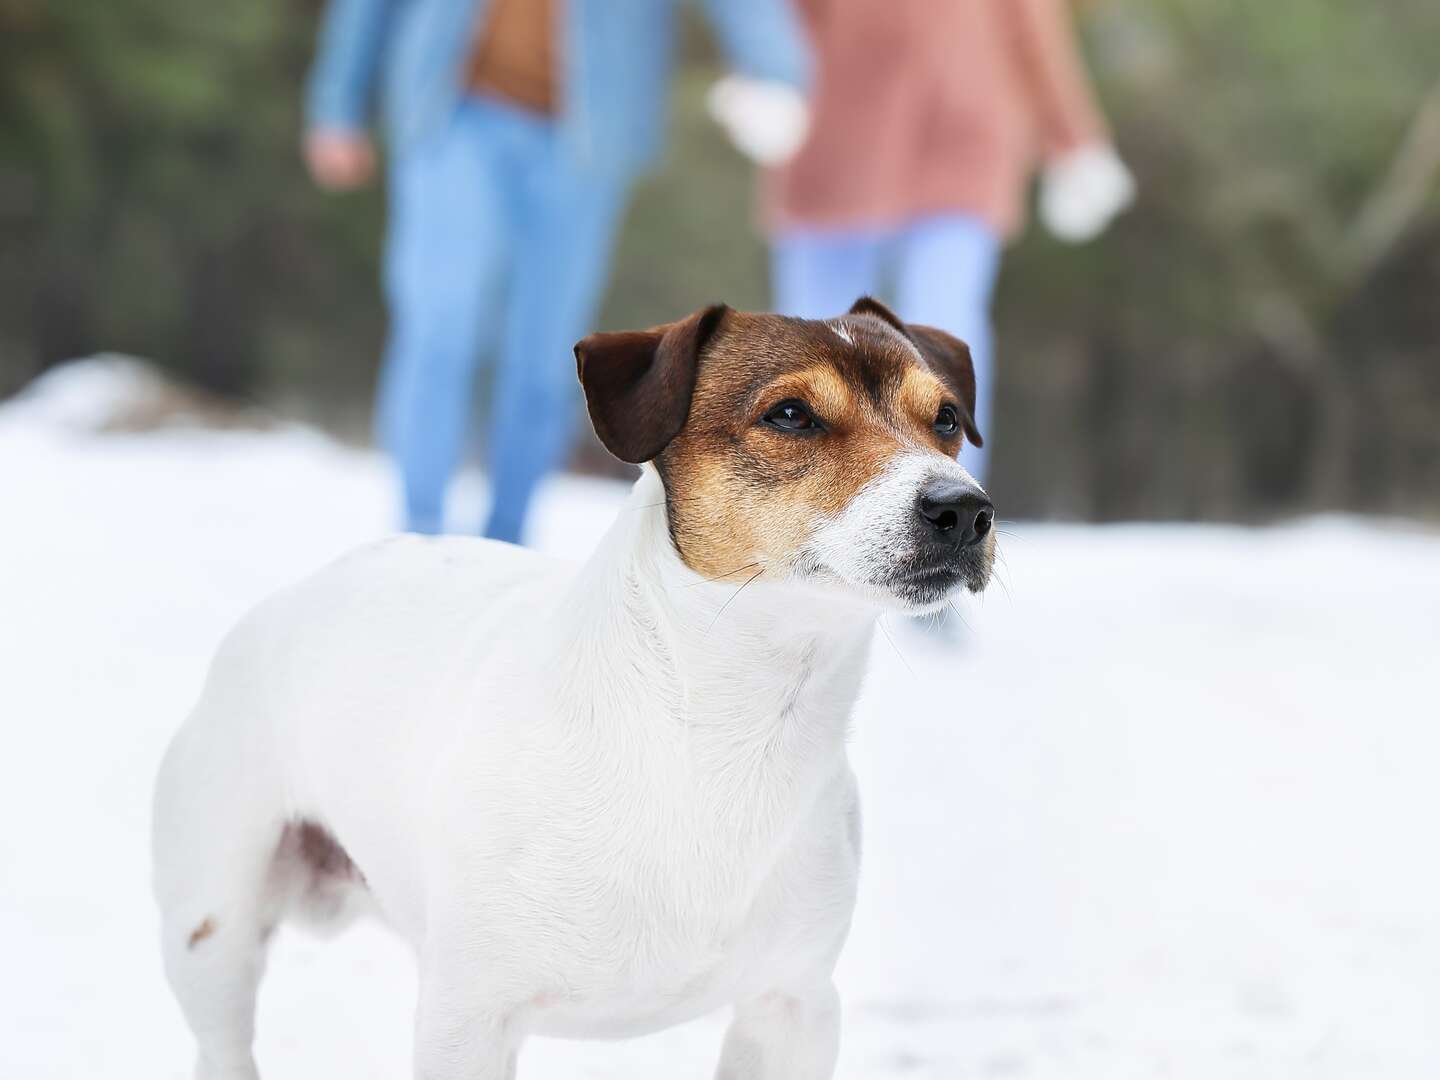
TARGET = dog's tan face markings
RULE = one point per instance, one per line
(791, 448)
(744, 497)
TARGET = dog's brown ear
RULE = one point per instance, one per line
(868, 305)
(947, 355)
(638, 382)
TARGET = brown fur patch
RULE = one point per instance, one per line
(919, 400)
(323, 852)
(744, 497)
(201, 932)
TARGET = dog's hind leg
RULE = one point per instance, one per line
(218, 823)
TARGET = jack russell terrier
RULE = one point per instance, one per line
(605, 799)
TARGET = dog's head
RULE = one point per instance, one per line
(821, 451)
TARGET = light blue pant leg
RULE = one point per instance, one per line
(818, 274)
(565, 230)
(945, 274)
(446, 250)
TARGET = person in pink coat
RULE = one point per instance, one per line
(928, 119)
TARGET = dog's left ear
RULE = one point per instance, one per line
(947, 355)
(638, 383)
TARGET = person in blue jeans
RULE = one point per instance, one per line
(515, 130)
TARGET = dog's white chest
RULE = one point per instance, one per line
(711, 860)
(686, 932)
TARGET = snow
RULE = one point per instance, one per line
(98, 393)
(1165, 807)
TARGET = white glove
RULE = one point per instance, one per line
(1081, 193)
(766, 120)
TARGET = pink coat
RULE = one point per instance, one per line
(926, 106)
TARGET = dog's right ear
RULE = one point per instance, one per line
(638, 382)
(946, 354)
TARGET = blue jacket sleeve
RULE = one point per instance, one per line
(763, 39)
(341, 82)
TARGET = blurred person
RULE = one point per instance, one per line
(515, 130)
(926, 122)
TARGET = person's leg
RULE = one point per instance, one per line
(819, 273)
(446, 248)
(944, 278)
(564, 234)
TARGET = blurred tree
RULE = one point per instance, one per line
(1258, 336)
(151, 199)
(1287, 154)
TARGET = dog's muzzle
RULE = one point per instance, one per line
(917, 532)
(954, 545)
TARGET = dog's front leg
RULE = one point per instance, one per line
(451, 1044)
(464, 1030)
(791, 1034)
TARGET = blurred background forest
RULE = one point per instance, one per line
(1259, 336)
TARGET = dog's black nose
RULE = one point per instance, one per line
(959, 513)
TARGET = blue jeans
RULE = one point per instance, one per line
(497, 244)
(943, 270)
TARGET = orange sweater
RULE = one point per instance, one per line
(926, 106)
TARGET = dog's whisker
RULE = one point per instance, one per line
(731, 599)
(1002, 563)
(880, 622)
(1003, 579)
(995, 576)
(676, 499)
(722, 577)
(956, 611)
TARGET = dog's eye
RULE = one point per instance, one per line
(791, 416)
(948, 422)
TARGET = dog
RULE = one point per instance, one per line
(605, 799)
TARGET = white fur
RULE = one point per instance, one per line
(858, 546)
(597, 801)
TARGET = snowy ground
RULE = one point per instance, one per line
(1167, 810)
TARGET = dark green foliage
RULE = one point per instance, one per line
(152, 200)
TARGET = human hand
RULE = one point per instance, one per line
(339, 159)
(767, 120)
(1081, 192)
